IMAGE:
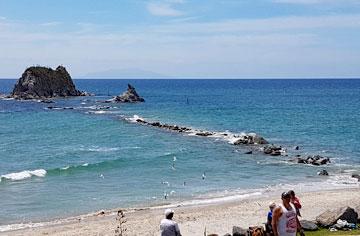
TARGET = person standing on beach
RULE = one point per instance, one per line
(295, 201)
(168, 227)
(285, 221)
(268, 227)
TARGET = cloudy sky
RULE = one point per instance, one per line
(183, 38)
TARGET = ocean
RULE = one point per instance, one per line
(57, 163)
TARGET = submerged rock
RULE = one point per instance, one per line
(323, 172)
(130, 96)
(39, 82)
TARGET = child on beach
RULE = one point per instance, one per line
(268, 227)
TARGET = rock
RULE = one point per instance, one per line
(308, 225)
(272, 150)
(84, 93)
(357, 209)
(296, 147)
(238, 231)
(330, 217)
(249, 152)
(227, 234)
(205, 134)
(301, 160)
(356, 176)
(130, 96)
(259, 140)
(40, 82)
(46, 101)
(250, 138)
(156, 124)
(316, 160)
(323, 172)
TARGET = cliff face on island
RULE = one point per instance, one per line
(40, 82)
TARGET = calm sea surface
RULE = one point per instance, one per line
(59, 163)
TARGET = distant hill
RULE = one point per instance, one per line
(128, 73)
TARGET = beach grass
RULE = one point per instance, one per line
(326, 232)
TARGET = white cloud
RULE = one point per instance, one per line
(163, 9)
(53, 23)
(263, 25)
(273, 47)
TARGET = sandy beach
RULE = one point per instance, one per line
(216, 218)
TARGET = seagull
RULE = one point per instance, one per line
(165, 195)
(173, 166)
(203, 176)
(165, 182)
(174, 158)
(101, 176)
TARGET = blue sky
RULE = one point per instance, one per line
(183, 38)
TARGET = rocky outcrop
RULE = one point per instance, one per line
(308, 225)
(273, 150)
(41, 83)
(316, 160)
(250, 139)
(356, 176)
(330, 217)
(357, 209)
(323, 173)
(130, 96)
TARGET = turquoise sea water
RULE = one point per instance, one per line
(59, 163)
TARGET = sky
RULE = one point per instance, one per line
(182, 38)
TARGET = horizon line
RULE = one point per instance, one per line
(205, 78)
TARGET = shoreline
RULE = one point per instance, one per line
(216, 216)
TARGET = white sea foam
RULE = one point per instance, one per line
(99, 112)
(102, 149)
(85, 164)
(24, 174)
(99, 149)
(65, 168)
(134, 118)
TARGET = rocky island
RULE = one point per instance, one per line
(129, 96)
(39, 82)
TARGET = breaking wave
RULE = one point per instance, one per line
(25, 174)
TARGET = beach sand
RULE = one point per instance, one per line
(216, 218)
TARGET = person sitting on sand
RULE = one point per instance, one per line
(295, 201)
(285, 221)
(268, 227)
(169, 227)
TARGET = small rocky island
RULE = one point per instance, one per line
(129, 96)
(39, 82)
